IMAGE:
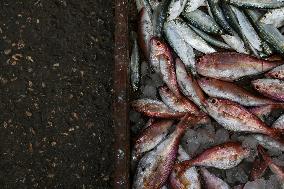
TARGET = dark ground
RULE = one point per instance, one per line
(55, 93)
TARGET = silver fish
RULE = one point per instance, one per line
(175, 8)
(192, 5)
(180, 46)
(263, 4)
(191, 37)
(274, 17)
(135, 65)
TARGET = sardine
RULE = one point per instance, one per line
(274, 17)
(159, 17)
(218, 15)
(234, 117)
(190, 179)
(235, 42)
(162, 60)
(272, 88)
(135, 65)
(175, 8)
(277, 73)
(210, 39)
(223, 156)
(155, 167)
(212, 181)
(189, 85)
(190, 37)
(192, 5)
(262, 4)
(180, 46)
(155, 108)
(145, 31)
(230, 66)
(231, 91)
(203, 21)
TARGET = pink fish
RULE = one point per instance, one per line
(277, 73)
(190, 179)
(155, 167)
(224, 156)
(189, 85)
(180, 103)
(230, 66)
(155, 108)
(212, 181)
(272, 88)
(235, 117)
(162, 61)
(231, 91)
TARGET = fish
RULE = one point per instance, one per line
(212, 181)
(247, 29)
(227, 90)
(231, 66)
(188, 85)
(145, 31)
(155, 166)
(210, 39)
(276, 169)
(279, 123)
(140, 4)
(175, 9)
(258, 169)
(155, 108)
(272, 88)
(223, 156)
(162, 60)
(190, 37)
(235, 42)
(135, 64)
(151, 136)
(180, 46)
(217, 13)
(235, 117)
(192, 5)
(267, 31)
(277, 73)
(264, 111)
(271, 143)
(181, 104)
(274, 17)
(260, 4)
(190, 179)
(159, 17)
(203, 21)
(155, 3)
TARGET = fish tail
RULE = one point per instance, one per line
(264, 154)
(181, 167)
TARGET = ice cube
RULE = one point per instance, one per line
(221, 136)
(149, 91)
(257, 184)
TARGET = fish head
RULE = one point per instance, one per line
(257, 84)
(213, 103)
(158, 46)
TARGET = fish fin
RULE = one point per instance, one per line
(258, 169)
(181, 167)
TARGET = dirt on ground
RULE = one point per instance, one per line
(56, 64)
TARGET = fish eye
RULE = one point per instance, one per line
(158, 43)
(276, 75)
(214, 101)
(257, 87)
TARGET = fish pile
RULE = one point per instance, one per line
(209, 75)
